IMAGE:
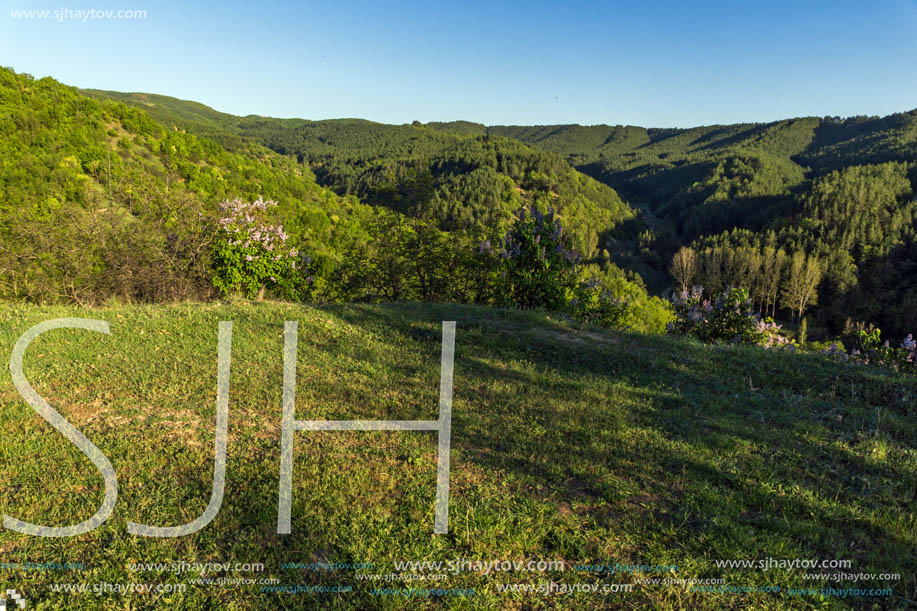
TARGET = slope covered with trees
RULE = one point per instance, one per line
(814, 216)
(100, 200)
(458, 179)
(97, 199)
(749, 198)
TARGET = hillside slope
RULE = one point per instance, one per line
(839, 191)
(463, 181)
(134, 194)
(843, 191)
(569, 444)
(661, 165)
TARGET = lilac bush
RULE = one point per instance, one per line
(537, 265)
(872, 350)
(730, 316)
(251, 253)
(539, 269)
(773, 338)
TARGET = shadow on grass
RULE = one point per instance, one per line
(661, 450)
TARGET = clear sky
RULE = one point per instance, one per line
(647, 63)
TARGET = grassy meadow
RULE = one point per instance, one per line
(568, 443)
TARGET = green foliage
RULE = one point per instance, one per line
(538, 269)
(408, 259)
(251, 253)
(616, 289)
(593, 304)
(133, 194)
(729, 317)
(840, 190)
(142, 169)
(538, 263)
(452, 174)
(871, 349)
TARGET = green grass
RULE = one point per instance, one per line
(567, 444)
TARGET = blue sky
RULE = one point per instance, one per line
(639, 63)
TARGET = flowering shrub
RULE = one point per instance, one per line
(538, 267)
(872, 350)
(772, 336)
(251, 253)
(730, 316)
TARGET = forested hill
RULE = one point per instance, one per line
(100, 199)
(836, 194)
(461, 181)
(97, 199)
(662, 165)
(839, 191)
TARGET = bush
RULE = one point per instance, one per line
(729, 317)
(589, 302)
(538, 266)
(251, 253)
(624, 299)
(874, 350)
(539, 269)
